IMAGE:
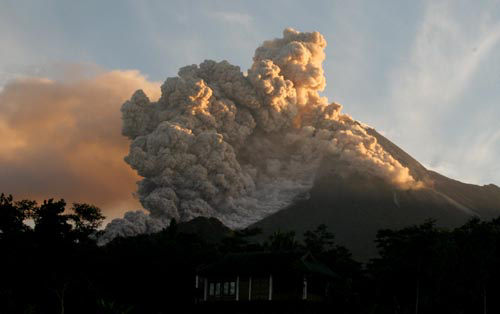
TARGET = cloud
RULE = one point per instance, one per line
(433, 87)
(480, 155)
(235, 18)
(61, 138)
(444, 59)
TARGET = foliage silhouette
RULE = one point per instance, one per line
(55, 266)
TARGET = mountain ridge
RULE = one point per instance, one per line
(356, 205)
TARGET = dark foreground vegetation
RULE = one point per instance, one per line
(56, 266)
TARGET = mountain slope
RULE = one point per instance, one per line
(355, 206)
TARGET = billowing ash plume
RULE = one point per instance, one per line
(239, 147)
(134, 222)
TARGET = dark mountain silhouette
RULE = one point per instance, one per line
(209, 229)
(355, 206)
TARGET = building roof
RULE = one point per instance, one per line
(264, 263)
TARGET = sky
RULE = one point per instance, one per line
(425, 74)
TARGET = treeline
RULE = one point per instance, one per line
(50, 263)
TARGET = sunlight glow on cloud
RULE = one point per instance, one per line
(62, 139)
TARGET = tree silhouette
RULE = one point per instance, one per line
(478, 242)
(282, 241)
(320, 240)
(410, 264)
(86, 219)
(51, 226)
(12, 215)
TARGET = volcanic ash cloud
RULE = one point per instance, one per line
(240, 146)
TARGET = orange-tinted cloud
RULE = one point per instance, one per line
(62, 139)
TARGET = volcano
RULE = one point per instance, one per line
(264, 148)
(357, 205)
